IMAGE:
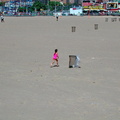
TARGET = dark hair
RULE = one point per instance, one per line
(56, 50)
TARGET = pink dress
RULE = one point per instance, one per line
(55, 56)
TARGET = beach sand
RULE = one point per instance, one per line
(31, 90)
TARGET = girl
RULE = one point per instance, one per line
(55, 58)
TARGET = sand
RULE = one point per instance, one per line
(31, 90)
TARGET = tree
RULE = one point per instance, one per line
(2, 3)
(38, 5)
(53, 4)
(22, 9)
(68, 6)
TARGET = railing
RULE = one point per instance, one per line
(52, 14)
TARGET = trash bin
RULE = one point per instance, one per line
(106, 19)
(96, 26)
(74, 61)
(73, 28)
(112, 19)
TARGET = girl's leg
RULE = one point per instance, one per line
(57, 62)
(52, 62)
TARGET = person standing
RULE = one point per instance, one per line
(2, 18)
(57, 17)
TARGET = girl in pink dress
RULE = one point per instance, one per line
(55, 58)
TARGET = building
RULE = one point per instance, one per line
(66, 1)
(4, 0)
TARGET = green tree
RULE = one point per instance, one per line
(38, 5)
(68, 6)
(22, 9)
(53, 4)
(2, 3)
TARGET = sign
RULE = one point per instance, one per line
(112, 5)
(100, 7)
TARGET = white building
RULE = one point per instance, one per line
(76, 11)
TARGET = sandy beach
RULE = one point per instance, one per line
(31, 90)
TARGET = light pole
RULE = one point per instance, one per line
(48, 9)
(55, 6)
